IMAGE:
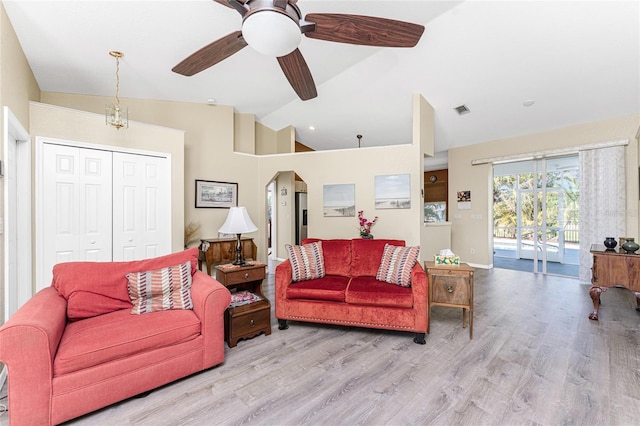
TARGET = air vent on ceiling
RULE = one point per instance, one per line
(462, 109)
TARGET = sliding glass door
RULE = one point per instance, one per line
(536, 215)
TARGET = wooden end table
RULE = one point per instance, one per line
(613, 267)
(452, 286)
(245, 321)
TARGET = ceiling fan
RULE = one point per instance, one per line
(275, 28)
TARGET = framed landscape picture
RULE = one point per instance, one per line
(339, 200)
(393, 191)
(212, 194)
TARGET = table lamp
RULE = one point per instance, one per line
(238, 222)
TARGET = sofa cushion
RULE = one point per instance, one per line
(307, 261)
(369, 291)
(337, 256)
(116, 335)
(331, 287)
(396, 264)
(366, 255)
(95, 288)
(161, 289)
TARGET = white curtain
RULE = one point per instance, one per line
(602, 200)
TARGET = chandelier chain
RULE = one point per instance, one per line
(117, 81)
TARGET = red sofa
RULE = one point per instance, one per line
(76, 347)
(349, 294)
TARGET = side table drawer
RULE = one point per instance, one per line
(452, 289)
(243, 276)
(247, 321)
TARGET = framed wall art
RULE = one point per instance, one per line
(212, 194)
(339, 200)
(393, 191)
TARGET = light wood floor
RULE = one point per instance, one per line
(535, 359)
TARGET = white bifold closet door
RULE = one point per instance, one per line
(100, 205)
(141, 206)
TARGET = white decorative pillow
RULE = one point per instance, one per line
(161, 289)
(396, 264)
(307, 261)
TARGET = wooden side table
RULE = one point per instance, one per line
(216, 251)
(452, 286)
(245, 321)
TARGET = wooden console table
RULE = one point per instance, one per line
(613, 267)
(217, 251)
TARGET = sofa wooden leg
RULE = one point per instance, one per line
(419, 339)
(282, 324)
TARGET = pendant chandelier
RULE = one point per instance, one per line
(116, 115)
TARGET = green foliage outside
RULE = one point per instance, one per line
(562, 187)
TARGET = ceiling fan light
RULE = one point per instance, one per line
(271, 33)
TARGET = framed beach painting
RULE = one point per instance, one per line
(212, 194)
(393, 191)
(339, 200)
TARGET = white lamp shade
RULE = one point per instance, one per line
(238, 222)
(271, 33)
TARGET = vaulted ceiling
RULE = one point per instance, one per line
(578, 61)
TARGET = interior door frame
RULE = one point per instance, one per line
(18, 167)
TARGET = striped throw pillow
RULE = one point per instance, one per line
(396, 264)
(161, 289)
(307, 261)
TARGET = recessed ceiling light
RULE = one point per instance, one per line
(528, 102)
(312, 127)
(211, 101)
(462, 109)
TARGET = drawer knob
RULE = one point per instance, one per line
(449, 289)
(252, 323)
(246, 275)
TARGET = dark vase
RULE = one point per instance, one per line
(610, 243)
(630, 246)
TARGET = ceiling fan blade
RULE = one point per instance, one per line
(224, 3)
(211, 54)
(364, 30)
(297, 72)
(235, 4)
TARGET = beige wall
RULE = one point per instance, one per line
(472, 229)
(244, 137)
(79, 126)
(17, 87)
(359, 167)
(209, 155)
(208, 151)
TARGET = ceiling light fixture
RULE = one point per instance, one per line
(272, 31)
(528, 102)
(115, 115)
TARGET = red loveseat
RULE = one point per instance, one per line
(76, 347)
(349, 293)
